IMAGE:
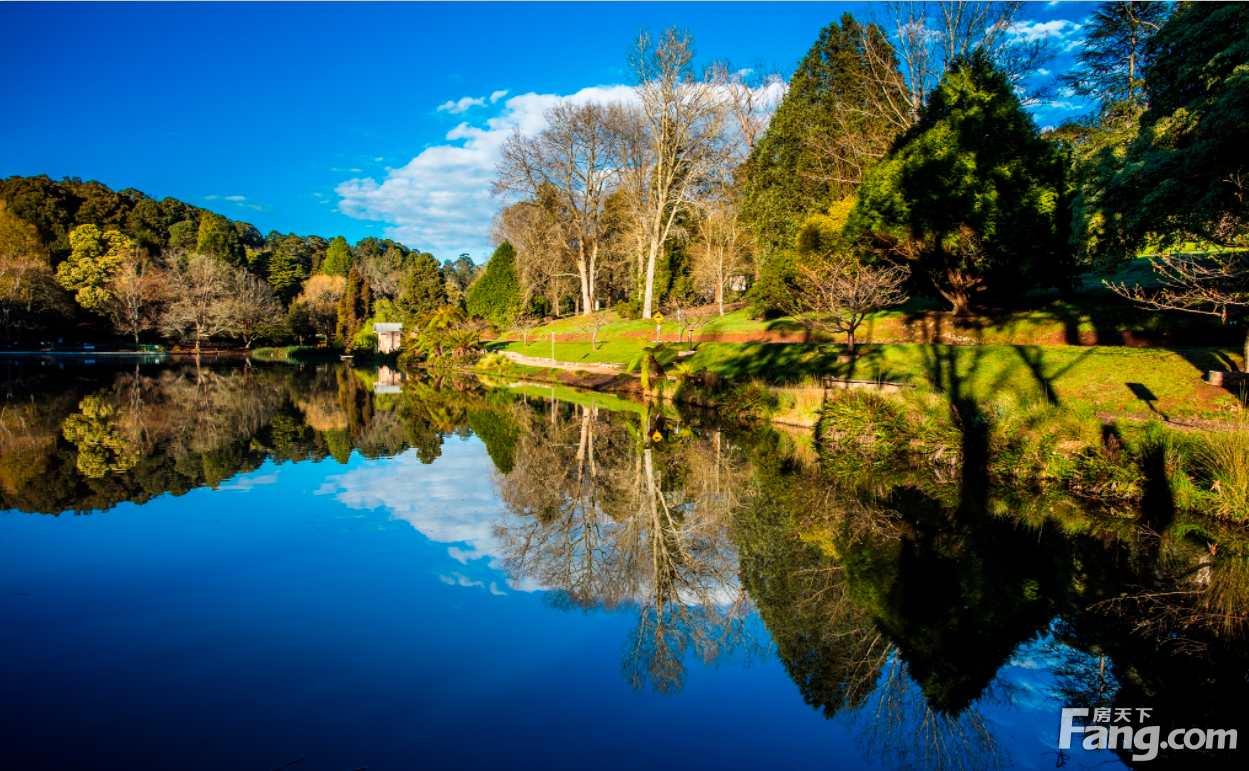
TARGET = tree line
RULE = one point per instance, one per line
(898, 158)
(74, 252)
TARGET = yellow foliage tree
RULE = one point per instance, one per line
(96, 257)
(101, 447)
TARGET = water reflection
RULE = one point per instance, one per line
(614, 511)
(900, 597)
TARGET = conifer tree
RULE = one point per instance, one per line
(218, 238)
(338, 258)
(496, 295)
(353, 308)
(286, 274)
(820, 138)
(423, 290)
(971, 195)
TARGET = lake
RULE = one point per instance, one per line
(327, 567)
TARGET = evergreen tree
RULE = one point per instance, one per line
(1183, 177)
(496, 295)
(286, 274)
(1111, 63)
(424, 290)
(338, 258)
(353, 308)
(816, 143)
(218, 238)
(971, 195)
(184, 235)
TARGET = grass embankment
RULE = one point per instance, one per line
(916, 440)
(1091, 315)
(1166, 381)
(296, 353)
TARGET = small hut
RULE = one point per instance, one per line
(388, 336)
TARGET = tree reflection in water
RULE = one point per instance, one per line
(607, 517)
(894, 592)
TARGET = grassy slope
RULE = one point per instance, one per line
(1114, 379)
(1019, 350)
(1090, 312)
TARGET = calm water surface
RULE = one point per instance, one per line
(234, 567)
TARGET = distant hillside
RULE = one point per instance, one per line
(55, 208)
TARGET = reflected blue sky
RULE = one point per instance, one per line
(355, 615)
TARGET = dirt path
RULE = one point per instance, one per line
(531, 361)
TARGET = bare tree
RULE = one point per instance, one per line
(1213, 284)
(385, 273)
(136, 291)
(26, 278)
(523, 324)
(721, 251)
(253, 310)
(751, 96)
(838, 292)
(199, 307)
(570, 161)
(591, 325)
(676, 146)
(927, 38)
(541, 256)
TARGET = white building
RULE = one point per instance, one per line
(388, 336)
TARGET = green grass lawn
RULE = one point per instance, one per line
(1091, 314)
(1114, 379)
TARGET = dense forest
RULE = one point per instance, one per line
(79, 255)
(899, 159)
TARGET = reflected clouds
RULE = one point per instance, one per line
(450, 502)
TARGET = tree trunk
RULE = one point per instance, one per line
(720, 297)
(591, 304)
(850, 341)
(648, 298)
(1244, 367)
(583, 273)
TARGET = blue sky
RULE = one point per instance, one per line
(325, 118)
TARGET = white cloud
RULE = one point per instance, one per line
(209, 197)
(378, 158)
(455, 108)
(497, 95)
(1031, 31)
(440, 201)
(236, 198)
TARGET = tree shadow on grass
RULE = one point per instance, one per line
(1033, 357)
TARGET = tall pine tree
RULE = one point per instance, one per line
(423, 290)
(353, 308)
(824, 133)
